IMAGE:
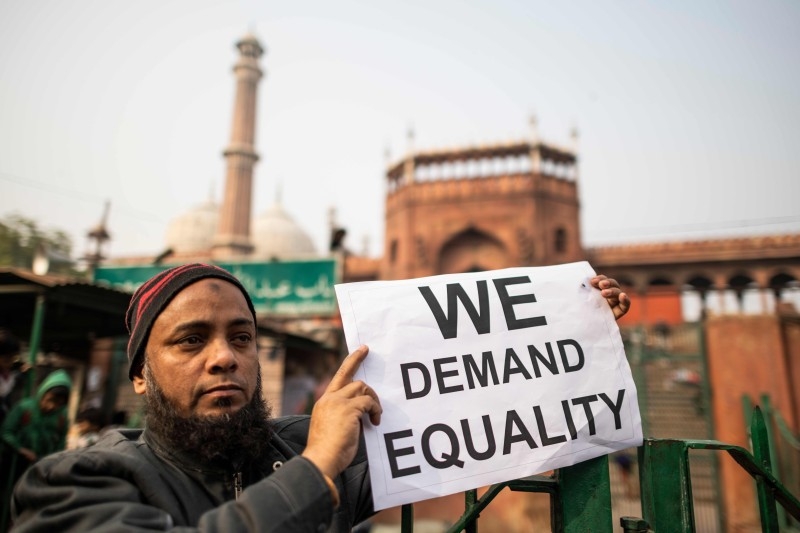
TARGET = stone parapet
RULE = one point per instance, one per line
(711, 250)
(452, 190)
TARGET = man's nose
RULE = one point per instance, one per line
(222, 357)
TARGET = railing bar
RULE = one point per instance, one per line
(470, 500)
(757, 464)
(472, 514)
(761, 452)
(774, 460)
(746, 460)
(407, 518)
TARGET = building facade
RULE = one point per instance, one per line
(517, 204)
(481, 208)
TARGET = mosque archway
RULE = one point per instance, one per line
(472, 250)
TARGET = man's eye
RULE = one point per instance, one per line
(191, 340)
(243, 337)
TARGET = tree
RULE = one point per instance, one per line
(20, 237)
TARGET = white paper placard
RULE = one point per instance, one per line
(486, 377)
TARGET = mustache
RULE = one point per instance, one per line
(227, 385)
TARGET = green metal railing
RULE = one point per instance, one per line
(784, 450)
(581, 495)
(580, 499)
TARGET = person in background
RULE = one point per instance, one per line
(625, 461)
(12, 372)
(34, 427)
(211, 457)
(86, 430)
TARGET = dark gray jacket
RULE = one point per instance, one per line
(128, 482)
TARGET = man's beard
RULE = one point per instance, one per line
(238, 437)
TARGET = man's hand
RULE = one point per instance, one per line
(617, 300)
(336, 418)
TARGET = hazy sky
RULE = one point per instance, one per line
(688, 112)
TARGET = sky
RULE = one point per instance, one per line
(688, 113)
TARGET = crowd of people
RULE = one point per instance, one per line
(36, 426)
(210, 457)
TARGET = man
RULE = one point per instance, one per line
(210, 457)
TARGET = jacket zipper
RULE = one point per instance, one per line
(237, 484)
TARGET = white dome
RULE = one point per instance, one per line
(277, 236)
(194, 230)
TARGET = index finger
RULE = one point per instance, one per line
(348, 368)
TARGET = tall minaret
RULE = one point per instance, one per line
(233, 233)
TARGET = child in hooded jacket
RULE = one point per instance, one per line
(33, 428)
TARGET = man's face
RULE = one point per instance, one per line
(202, 350)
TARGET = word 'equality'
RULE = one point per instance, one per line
(515, 430)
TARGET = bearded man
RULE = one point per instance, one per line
(210, 457)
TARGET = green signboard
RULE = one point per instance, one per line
(284, 288)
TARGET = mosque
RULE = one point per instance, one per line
(228, 231)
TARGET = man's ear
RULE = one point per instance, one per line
(139, 383)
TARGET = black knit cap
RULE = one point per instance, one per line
(150, 299)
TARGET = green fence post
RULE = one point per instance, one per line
(582, 502)
(470, 500)
(666, 486)
(766, 501)
(767, 415)
(775, 460)
(35, 342)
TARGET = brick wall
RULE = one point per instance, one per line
(745, 356)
